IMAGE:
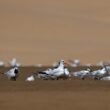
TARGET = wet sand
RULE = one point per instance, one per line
(51, 94)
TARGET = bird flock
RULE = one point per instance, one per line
(60, 71)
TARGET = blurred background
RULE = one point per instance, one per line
(48, 30)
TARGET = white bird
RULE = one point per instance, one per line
(98, 73)
(58, 72)
(30, 78)
(108, 68)
(107, 78)
(2, 64)
(67, 73)
(105, 75)
(82, 74)
(14, 63)
(12, 74)
(74, 63)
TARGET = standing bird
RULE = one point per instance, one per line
(12, 74)
(55, 73)
(14, 63)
